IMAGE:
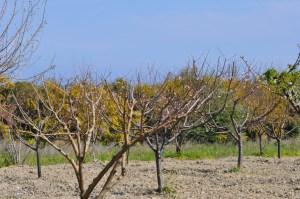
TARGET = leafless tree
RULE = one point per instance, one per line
(76, 114)
(242, 108)
(123, 110)
(276, 127)
(207, 86)
(19, 126)
(65, 113)
(20, 23)
(260, 132)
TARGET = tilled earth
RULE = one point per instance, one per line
(259, 178)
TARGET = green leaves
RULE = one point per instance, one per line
(271, 75)
(286, 84)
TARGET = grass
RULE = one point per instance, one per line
(215, 151)
(190, 152)
(5, 160)
(233, 170)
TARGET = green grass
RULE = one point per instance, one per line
(5, 160)
(46, 159)
(233, 170)
(215, 151)
(203, 151)
(189, 152)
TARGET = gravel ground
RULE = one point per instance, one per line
(259, 178)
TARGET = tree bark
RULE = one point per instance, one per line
(260, 145)
(159, 171)
(123, 164)
(179, 141)
(37, 152)
(278, 148)
(240, 153)
(107, 185)
(80, 176)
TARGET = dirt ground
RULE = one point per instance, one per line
(260, 178)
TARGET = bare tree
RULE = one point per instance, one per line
(194, 79)
(75, 113)
(20, 23)
(259, 131)
(157, 143)
(65, 112)
(275, 125)
(243, 108)
(20, 126)
(122, 116)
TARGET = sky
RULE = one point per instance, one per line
(123, 37)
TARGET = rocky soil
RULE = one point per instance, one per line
(260, 178)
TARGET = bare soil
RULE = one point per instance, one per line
(259, 178)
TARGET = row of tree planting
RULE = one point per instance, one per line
(226, 101)
(221, 101)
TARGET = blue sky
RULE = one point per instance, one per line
(123, 37)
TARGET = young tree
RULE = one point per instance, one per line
(24, 92)
(193, 79)
(276, 123)
(75, 112)
(241, 109)
(259, 131)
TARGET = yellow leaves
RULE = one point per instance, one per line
(6, 83)
(53, 87)
(4, 129)
(76, 91)
(222, 138)
(147, 90)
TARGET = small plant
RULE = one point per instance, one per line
(233, 170)
(5, 160)
(168, 190)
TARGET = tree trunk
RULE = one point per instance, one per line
(79, 175)
(37, 151)
(123, 164)
(178, 141)
(158, 153)
(159, 171)
(178, 148)
(125, 155)
(278, 148)
(260, 145)
(240, 153)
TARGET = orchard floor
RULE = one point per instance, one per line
(259, 178)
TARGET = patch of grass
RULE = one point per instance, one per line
(141, 153)
(190, 152)
(5, 160)
(168, 190)
(203, 151)
(46, 159)
(233, 170)
(215, 151)
(288, 149)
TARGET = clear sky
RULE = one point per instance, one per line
(122, 37)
